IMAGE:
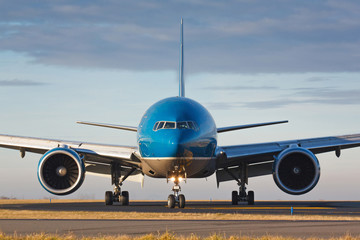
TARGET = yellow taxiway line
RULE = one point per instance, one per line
(266, 208)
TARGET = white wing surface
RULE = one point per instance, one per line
(100, 155)
(260, 157)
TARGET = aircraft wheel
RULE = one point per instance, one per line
(171, 201)
(251, 198)
(234, 198)
(124, 198)
(181, 201)
(108, 198)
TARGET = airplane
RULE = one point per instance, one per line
(177, 140)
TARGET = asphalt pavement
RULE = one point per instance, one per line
(83, 227)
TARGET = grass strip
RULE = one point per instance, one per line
(32, 214)
(164, 236)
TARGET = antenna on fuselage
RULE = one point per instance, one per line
(181, 66)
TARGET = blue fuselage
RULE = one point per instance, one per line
(177, 135)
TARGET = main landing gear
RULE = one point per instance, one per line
(242, 195)
(118, 196)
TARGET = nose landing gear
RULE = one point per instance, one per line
(176, 198)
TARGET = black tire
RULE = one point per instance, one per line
(181, 201)
(234, 198)
(124, 198)
(108, 198)
(251, 198)
(171, 201)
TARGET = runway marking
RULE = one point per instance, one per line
(266, 208)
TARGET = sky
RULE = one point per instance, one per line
(245, 61)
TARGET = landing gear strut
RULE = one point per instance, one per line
(176, 198)
(118, 196)
(242, 195)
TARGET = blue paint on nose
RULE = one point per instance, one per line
(176, 143)
(165, 143)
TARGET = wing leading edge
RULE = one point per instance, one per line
(260, 157)
(92, 153)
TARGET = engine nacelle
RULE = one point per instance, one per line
(296, 170)
(61, 171)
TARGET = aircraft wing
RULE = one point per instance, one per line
(97, 157)
(260, 157)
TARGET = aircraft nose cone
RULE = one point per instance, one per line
(175, 140)
(166, 144)
(176, 145)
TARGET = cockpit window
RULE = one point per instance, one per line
(170, 125)
(192, 125)
(175, 125)
(182, 125)
(160, 125)
(156, 125)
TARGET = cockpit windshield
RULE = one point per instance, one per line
(175, 125)
(170, 125)
(182, 125)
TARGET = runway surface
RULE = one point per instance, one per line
(94, 227)
(350, 208)
(200, 228)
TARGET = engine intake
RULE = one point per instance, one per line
(61, 171)
(296, 170)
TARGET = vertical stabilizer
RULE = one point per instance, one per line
(181, 66)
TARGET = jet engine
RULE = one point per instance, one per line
(61, 171)
(296, 170)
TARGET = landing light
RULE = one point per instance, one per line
(178, 179)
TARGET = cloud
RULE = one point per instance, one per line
(319, 79)
(269, 104)
(301, 96)
(19, 83)
(331, 96)
(231, 36)
(240, 88)
(222, 105)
